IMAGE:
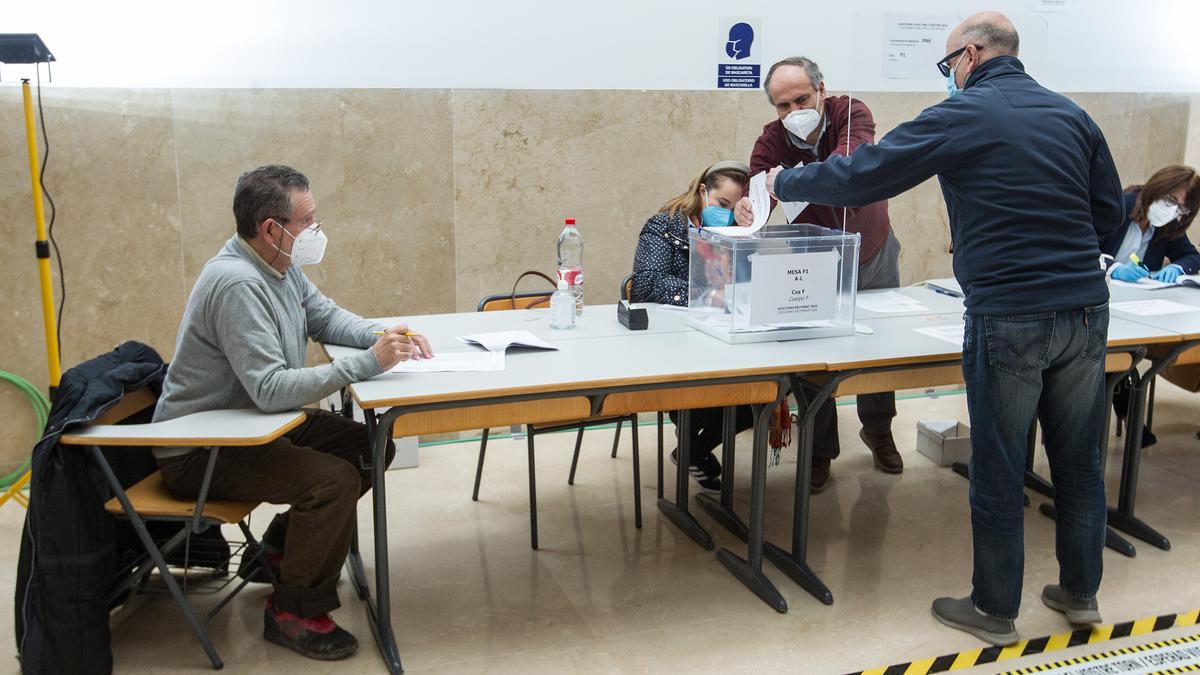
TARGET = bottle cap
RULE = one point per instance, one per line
(569, 221)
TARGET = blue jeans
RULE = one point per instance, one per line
(1049, 368)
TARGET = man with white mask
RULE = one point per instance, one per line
(813, 127)
(242, 344)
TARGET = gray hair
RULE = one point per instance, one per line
(265, 192)
(993, 37)
(810, 68)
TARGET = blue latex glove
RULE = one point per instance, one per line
(1129, 272)
(1169, 274)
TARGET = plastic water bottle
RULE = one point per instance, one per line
(562, 307)
(570, 261)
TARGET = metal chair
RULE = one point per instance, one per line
(513, 301)
(150, 501)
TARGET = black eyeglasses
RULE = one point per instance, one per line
(944, 64)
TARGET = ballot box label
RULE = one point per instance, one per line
(792, 287)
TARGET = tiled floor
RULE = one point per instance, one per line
(469, 595)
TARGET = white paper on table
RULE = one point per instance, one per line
(1151, 307)
(760, 206)
(453, 362)
(952, 333)
(1144, 284)
(793, 209)
(502, 340)
(891, 302)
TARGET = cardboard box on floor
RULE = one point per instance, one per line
(944, 441)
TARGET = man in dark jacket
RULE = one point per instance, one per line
(1030, 188)
(813, 127)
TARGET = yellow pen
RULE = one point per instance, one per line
(1133, 257)
(381, 332)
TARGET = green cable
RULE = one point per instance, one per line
(41, 409)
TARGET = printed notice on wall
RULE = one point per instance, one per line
(1050, 5)
(739, 41)
(792, 287)
(913, 44)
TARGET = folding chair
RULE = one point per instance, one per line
(516, 300)
(150, 500)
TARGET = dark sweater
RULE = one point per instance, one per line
(1161, 249)
(1030, 187)
(773, 149)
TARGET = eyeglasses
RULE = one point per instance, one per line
(1182, 210)
(315, 226)
(944, 64)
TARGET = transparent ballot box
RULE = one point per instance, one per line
(785, 282)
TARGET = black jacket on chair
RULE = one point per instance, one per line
(71, 548)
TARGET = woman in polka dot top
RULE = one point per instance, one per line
(660, 274)
(660, 265)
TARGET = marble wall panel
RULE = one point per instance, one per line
(379, 162)
(111, 173)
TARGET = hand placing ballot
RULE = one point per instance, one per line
(771, 176)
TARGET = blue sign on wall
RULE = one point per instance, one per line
(738, 75)
(736, 40)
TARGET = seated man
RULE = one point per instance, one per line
(242, 344)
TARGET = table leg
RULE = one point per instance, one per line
(1123, 517)
(722, 510)
(749, 571)
(379, 611)
(794, 563)
(678, 512)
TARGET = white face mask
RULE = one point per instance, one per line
(308, 248)
(1161, 212)
(802, 122)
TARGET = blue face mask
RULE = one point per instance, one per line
(715, 216)
(951, 85)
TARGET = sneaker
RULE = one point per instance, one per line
(961, 613)
(253, 559)
(820, 475)
(1078, 612)
(317, 638)
(706, 472)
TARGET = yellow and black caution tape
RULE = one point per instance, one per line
(1139, 661)
(1082, 636)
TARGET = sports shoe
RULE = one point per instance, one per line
(1078, 612)
(317, 638)
(960, 613)
(706, 471)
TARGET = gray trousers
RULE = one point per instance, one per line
(875, 411)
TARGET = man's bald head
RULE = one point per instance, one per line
(993, 32)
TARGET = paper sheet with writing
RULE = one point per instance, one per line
(891, 302)
(1148, 284)
(454, 362)
(1152, 307)
(792, 287)
(760, 205)
(952, 333)
(502, 340)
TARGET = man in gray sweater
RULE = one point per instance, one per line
(242, 344)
